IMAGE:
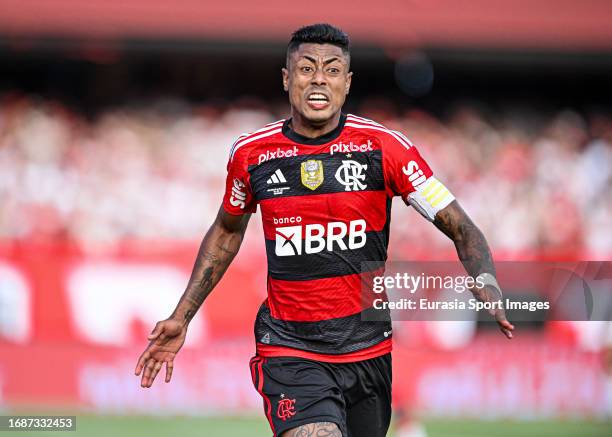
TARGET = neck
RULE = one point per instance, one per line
(310, 129)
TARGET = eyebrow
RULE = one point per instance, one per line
(314, 61)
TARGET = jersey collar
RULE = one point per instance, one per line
(301, 139)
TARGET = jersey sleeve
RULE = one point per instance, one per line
(238, 198)
(408, 175)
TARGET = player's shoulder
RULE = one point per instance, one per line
(388, 137)
(248, 141)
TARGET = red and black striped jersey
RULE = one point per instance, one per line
(325, 205)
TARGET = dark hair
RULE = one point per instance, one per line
(321, 33)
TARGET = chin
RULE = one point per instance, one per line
(318, 116)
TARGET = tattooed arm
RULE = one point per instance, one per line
(218, 249)
(474, 253)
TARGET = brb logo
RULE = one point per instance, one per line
(414, 173)
(278, 153)
(350, 174)
(238, 194)
(315, 238)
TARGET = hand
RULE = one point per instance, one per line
(166, 340)
(490, 294)
(504, 325)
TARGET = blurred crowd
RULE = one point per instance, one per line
(532, 180)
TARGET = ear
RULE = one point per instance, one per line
(349, 77)
(285, 79)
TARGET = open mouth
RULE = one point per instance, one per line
(317, 100)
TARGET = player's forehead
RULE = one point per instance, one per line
(318, 52)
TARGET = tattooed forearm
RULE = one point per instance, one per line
(218, 249)
(196, 294)
(471, 246)
(321, 429)
(469, 241)
(475, 255)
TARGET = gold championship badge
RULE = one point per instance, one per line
(312, 174)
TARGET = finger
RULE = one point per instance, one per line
(145, 378)
(141, 362)
(507, 329)
(147, 373)
(158, 366)
(500, 317)
(159, 328)
(169, 367)
(506, 325)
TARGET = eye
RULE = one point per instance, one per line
(334, 70)
(306, 69)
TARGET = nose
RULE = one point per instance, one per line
(318, 78)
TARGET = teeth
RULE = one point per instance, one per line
(316, 96)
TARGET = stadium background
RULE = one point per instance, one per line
(115, 122)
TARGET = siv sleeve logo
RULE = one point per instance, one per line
(238, 197)
(414, 173)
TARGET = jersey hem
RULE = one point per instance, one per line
(379, 349)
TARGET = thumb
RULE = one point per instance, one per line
(159, 328)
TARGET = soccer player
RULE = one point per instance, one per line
(324, 181)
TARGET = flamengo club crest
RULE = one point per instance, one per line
(286, 408)
(312, 174)
(350, 174)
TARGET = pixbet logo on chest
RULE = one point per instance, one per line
(350, 147)
(314, 238)
(278, 153)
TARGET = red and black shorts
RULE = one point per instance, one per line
(296, 391)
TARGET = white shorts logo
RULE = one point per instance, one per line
(318, 238)
(350, 174)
